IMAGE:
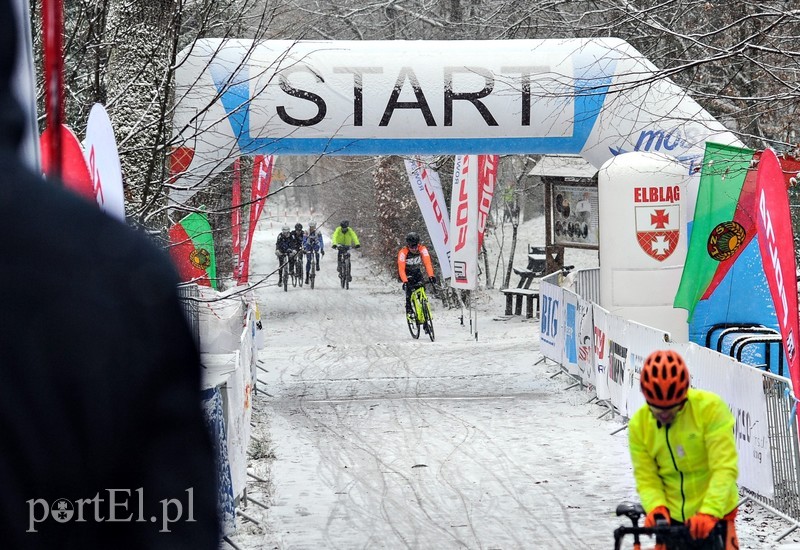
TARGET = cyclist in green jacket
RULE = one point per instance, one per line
(684, 454)
(344, 235)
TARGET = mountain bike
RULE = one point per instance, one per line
(674, 536)
(343, 265)
(296, 268)
(421, 317)
(312, 268)
(284, 271)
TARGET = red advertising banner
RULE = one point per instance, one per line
(236, 217)
(262, 176)
(776, 242)
(487, 177)
(70, 166)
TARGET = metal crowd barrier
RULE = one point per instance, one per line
(783, 443)
(188, 296)
(587, 284)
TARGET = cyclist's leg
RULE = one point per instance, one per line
(316, 257)
(409, 309)
(730, 537)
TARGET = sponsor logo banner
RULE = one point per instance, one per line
(430, 198)
(464, 223)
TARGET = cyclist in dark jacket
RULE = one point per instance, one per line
(313, 243)
(297, 236)
(284, 249)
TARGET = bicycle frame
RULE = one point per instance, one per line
(418, 295)
(342, 265)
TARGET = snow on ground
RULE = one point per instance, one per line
(370, 439)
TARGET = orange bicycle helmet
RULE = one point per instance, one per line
(664, 379)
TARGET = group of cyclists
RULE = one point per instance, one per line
(293, 243)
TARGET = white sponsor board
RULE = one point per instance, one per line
(601, 328)
(742, 387)
(551, 324)
(586, 355)
(571, 330)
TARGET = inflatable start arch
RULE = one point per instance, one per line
(593, 97)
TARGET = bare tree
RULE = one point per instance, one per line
(739, 60)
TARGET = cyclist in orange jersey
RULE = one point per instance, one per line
(410, 260)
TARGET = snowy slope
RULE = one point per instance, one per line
(369, 439)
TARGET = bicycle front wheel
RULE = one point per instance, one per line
(428, 324)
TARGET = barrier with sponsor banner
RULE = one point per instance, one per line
(605, 353)
(229, 339)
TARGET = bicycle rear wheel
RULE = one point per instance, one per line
(298, 268)
(428, 324)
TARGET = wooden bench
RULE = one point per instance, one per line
(537, 260)
(514, 297)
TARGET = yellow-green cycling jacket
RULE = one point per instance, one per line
(689, 466)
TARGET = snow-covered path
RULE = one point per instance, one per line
(379, 441)
(382, 441)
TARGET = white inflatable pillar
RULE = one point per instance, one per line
(643, 240)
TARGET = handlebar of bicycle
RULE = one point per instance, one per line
(676, 536)
(424, 282)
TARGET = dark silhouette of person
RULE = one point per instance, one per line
(100, 396)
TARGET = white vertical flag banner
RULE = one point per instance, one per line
(428, 191)
(102, 158)
(464, 223)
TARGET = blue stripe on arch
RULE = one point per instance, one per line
(415, 146)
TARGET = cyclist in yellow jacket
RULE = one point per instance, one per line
(684, 455)
(344, 235)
